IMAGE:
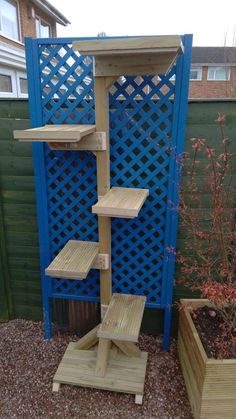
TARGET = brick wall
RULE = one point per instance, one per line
(210, 89)
(28, 27)
(27, 23)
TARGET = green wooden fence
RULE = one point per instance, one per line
(20, 291)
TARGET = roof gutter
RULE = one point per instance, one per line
(51, 11)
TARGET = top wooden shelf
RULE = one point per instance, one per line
(55, 133)
(132, 56)
(137, 45)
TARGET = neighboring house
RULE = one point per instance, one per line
(213, 73)
(18, 19)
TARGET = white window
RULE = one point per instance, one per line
(13, 83)
(8, 86)
(196, 73)
(43, 29)
(218, 73)
(9, 19)
(22, 86)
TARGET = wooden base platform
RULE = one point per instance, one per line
(124, 374)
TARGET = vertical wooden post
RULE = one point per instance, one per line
(103, 185)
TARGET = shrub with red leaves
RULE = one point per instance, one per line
(208, 224)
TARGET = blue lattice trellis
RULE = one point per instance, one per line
(147, 115)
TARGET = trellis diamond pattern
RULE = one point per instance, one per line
(141, 113)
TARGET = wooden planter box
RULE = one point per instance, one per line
(210, 383)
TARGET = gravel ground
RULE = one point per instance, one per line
(28, 364)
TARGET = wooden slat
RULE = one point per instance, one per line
(88, 340)
(128, 348)
(121, 202)
(52, 133)
(129, 45)
(123, 318)
(103, 184)
(134, 64)
(123, 374)
(92, 142)
(104, 346)
(74, 261)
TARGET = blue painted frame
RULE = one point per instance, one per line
(178, 131)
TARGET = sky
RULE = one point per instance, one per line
(212, 22)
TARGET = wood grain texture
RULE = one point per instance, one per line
(92, 142)
(128, 348)
(52, 133)
(210, 383)
(88, 340)
(104, 346)
(128, 45)
(74, 261)
(103, 183)
(123, 374)
(134, 64)
(121, 202)
(123, 318)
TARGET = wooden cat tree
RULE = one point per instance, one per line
(116, 363)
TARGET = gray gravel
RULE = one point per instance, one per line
(28, 364)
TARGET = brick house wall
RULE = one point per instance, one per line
(28, 24)
(212, 89)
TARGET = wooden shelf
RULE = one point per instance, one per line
(74, 261)
(55, 133)
(129, 45)
(124, 374)
(121, 202)
(123, 318)
(132, 56)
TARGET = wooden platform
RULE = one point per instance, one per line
(124, 374)
(55, 133)
(132, 56)
(121, 202)
(123, 318)
(74, 261)
(129, 45)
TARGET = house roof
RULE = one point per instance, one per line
(51, 11)
(214, 55)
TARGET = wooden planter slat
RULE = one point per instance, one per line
(210, 383)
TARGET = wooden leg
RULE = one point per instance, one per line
(88, 340)
(56, 387)
(138, 399)
(102, 357)
(128, 348)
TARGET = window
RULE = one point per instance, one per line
(196, 73)
(9, 22)
(22, 86)
(43, 29)
(13, 83)
(218, 73)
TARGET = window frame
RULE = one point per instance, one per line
(44, 21)
(11, 73)
(19, 40)
(228, 68)
(196, 68)
(20, 74)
